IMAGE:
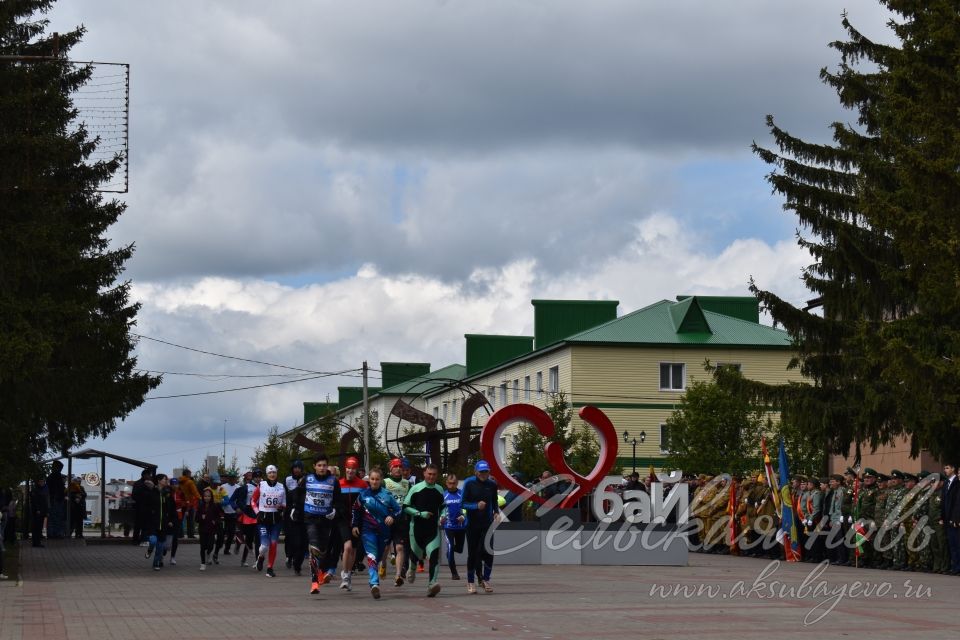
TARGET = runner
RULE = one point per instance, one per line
(295, 534)
(423, 504)
(454, 523)
(247, 518)
(400, 533)
(320, 495)
(209, 515)
(269, 500)
(351, 485)
(480, 501)
(161, 519)
(375, 513)
(225, 493)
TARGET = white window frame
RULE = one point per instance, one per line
(683, 375)
(503, 394)
(436, 413)
(516, 390)
(446, 407)
(492, 396)
(539, 384)
(453, 410)
(554, 379)
(526, 388)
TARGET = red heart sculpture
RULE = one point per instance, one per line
(514, 413)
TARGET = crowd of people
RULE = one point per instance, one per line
(900, 521)
(334, 523)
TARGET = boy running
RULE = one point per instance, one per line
(321, 492)
(423, 504)
(374, 513)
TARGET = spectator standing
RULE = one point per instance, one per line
(139, 494)
(78, 507)
(40, 509)
(56, 489)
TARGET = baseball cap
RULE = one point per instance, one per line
(482, 466)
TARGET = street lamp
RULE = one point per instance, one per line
(634, 441)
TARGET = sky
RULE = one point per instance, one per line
(315, 184)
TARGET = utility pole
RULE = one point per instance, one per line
(366, 422)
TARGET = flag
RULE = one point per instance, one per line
(788, 518)
(771, 479)
(860, 538)
(732, 511)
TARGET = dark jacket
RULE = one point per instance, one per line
(40, 500)
(161, 516)
(950, 505)
(209, 517)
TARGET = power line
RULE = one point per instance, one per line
(222, 355)
(256, 386)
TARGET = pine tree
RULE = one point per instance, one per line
(878, 212)
(67, 372)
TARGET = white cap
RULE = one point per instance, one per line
(270, 468)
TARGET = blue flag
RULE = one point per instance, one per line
(788, 534)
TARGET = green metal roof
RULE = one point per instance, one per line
(347, 396)
(422, 383)
(314, 410)
(678, 324)
(554, 320)
(394, 373)
(743, 307)
(487, 351)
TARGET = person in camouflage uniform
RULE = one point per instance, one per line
(719, 521)
(813, 512)
(881, 537)
(896, 556)
(766, 523)
(701, 508)
(744, 518)
(909, 509)
(924, 523)
(865, 513)
(836, 513)
(939, 555)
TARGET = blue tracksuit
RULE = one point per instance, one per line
(369, 514)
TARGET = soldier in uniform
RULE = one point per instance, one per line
(909, 509)
(880, 515)
(703, 498)
(814, 513)
(743, 516)
(865, 512)
(836, 513)
(924, 523)
(939, 556)
(766, 523)
(895, 555)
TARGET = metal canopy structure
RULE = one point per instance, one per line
(87, 454)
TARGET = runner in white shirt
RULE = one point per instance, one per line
(269, 501)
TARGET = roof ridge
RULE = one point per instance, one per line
(752, 324)
(618, 319)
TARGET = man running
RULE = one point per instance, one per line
(423, 504)
(321, 492)
(454, 523)
(375, 512)
(351, 485)
(269, 501)
(248, 518)
(480, 501)
(398, 488)
(295, 535)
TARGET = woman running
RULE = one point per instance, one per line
(269, 501)
(374, 513)
(247, 517)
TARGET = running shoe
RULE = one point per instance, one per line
(314, 588)
(393, 558)
(156, 568)
(173, 562)
(398, 582)
(244, 563)
(270, 573)
(454, 575)
(327, 578)
(375, 591)
(471, 588)
(149, 552)
(260, 560)
(216, 559)
(411, 575)
(420, 568)
(433, 590)
(203, 567)
(382, 571)
(345, 580)
(486, 586)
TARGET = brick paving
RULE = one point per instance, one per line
(77, 591)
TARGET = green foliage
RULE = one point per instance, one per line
(878, 213)
(378, 450)
(327, 434)
(276, 451)
(67, 372)
(526, 453)
(713, 431)
(580, 445)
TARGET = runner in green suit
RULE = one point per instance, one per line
(423, 504)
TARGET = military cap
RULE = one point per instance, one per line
(883, 477)
(896, 473)
(837, 476)
(870, 472)
(910, 476)
(924, 473)
(824, 480)
(850, 471)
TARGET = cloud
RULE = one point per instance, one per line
(379, 317)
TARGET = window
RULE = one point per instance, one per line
(664, 438)
(503, 394)
(554, 379)
(453, 411)
(539, 383)
(672, 376)
(526, 387)
(732, 365)
(445, 407)
(436, 412)
(516, 390)
(492, 397)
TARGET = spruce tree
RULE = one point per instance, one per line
(67, 372)
(878, 211)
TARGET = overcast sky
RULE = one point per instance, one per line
(318, 183)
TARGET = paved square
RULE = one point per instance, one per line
(78, 591)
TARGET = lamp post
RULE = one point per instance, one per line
(634, 441)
